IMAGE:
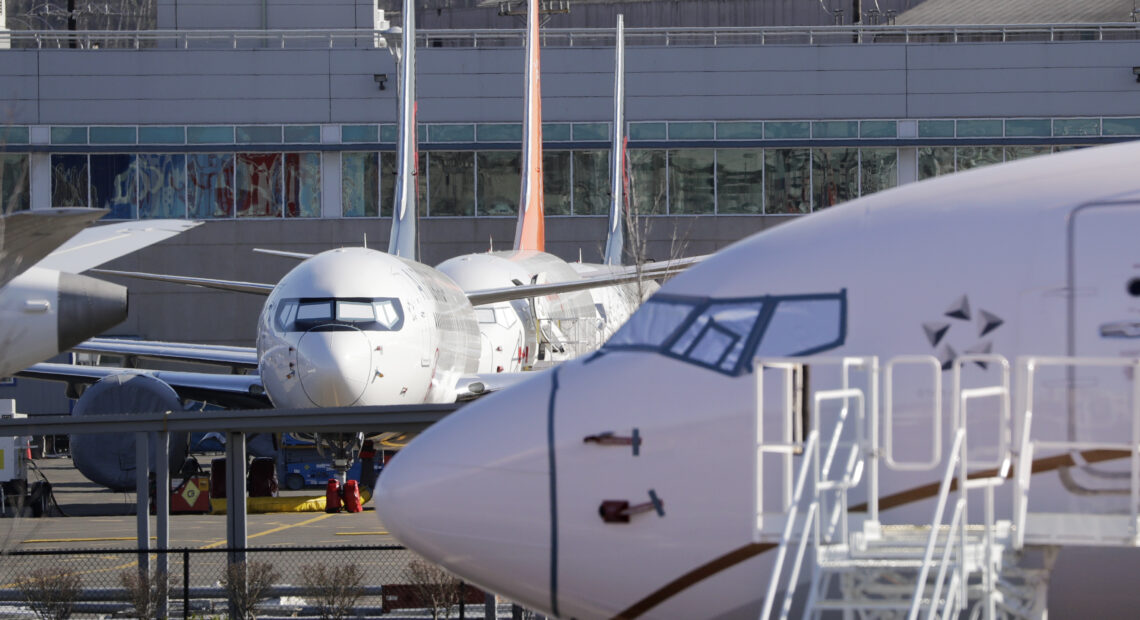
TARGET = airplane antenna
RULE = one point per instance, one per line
(365, 241)
(491, 247)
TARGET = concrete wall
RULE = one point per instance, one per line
(484, 85)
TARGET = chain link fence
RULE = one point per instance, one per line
(294, 582)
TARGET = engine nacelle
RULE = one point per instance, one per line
(108, 459)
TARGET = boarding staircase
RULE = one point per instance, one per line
(833, 559)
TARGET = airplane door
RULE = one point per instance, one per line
(1104, 321)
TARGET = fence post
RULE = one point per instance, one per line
(185, 584)
(462, 600)
(490, 605)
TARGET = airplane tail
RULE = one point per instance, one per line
(530, 233)
(615, 240)
(403, 240)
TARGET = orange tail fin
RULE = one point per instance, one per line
(530, 234)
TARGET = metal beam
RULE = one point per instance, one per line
(162, 512)
(142, 495)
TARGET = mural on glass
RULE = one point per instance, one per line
(648, 181)
(162, 185)
(556, 182)
(14, 183)
(787, 181)
(451, 183)
(740, 181)
(302, 185)
(113, 185)
(591, 182)
(259, 191)
(209, 182)
(880, 170)
(835, 176)
(69, 181)
(499, 182)
(359, 185)
(934, 161)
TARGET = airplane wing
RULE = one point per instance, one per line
(253, 288)
(96, 245)
(490, 296)
(234, 357)
(26, 237)
(235, 391)
(284, 253)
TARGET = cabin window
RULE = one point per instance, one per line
(380, 314)
(802, 326)
(653, 324)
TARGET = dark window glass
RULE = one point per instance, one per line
(302, 185)
(978, 156)
(740, 181)
(835, 176)
(259, 185)
(209, 180)
(556, 182)
(359, 185)
(162, 185)
(113, 185)
(647, 185)
(14, 183)
(388, 183)
(880, 170)
(787, 181)
(499, 182)
(591, 182)
(934, 161)
(451, 183)
(69, 181)
(1021, 152)
(691, 184)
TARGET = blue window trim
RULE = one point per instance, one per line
(698, 305)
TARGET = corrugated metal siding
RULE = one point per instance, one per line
(1018, 12)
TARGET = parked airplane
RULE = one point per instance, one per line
(1035, 257)
(45, 306)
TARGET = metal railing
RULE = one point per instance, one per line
(573, 37)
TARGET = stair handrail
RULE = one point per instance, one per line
(888, 412)
(853, 470)
(809, 463)
(955, 463)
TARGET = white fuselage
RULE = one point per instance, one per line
(1032, 258)
(359, 327)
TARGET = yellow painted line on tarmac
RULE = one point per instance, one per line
(72, 540)
(219, 543)
(361, 533)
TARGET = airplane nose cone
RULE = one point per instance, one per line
(334, 365)
(473, 493)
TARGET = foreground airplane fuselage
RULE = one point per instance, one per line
(1031, 258)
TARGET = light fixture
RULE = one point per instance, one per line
(382, 79)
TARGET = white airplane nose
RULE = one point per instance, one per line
(473, 493)
(334, 365)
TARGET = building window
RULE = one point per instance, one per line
(648, 185)
(69, 181)
(451, 183)
(591, 182)
(740, 181)
(162, 185)
(787, 181)
(935, 161)
(258, 184)
(113, 185)
(556, 182)
(835, 176)
(359, 185)
(1021, 152)
(302, 185)
(210, 190)
(499, 182)
(978, 156)
(878, 170)
(692, 186)
(14, 182)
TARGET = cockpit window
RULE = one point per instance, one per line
(380, 314)
(726, 334)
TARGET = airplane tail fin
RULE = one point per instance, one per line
(403, 240)
(530, 233)
(615, 240)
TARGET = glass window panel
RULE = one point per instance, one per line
(648, 183)
(259, 134)
(878, 129)
(648, 131)
(259, 185)
(556, 182)
(717, 337)
(879, 170)
(162, 185)
(692, 131)
(360, 184)
(1076, 127)
(499, 182)
(787, 181)
(388, 183)
(421, 134)
(555, 132)
(835, 176)
(978, 156)
(307, 134)
(591, 131)
(936, 129)
(358, 133)
(691, 181)
(591, 182)
(210, 135)
(14, 181)
(112, 135)
(451, 183)
(739, 180)
(1021, 152)
(451, 133)
(14, 135)
(69, 135)
(113, 185)
(740, 130)
(934, 161)
(979, 128)
(835, 129)
(389, 133)
(1122, 126)
(209, 183)
(302, 185)
(1070, 147)
(499, 132)
(784, 130)
(652, 324)
(801, 326)
(1028, 127)
(162, 135)
(69, 180)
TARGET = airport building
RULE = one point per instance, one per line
(274, 121)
